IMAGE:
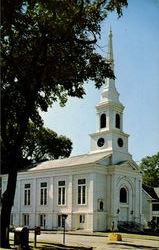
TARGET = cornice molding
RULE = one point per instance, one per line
(110, 131)
(117, 106)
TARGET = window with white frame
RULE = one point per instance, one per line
(42, 220)
(27, 194)
(82, 191)
(61, 193)
(25, 219)
(43, 193)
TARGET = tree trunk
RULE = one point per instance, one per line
(7, 203)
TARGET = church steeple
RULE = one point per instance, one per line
(109, 135)
(110, 93)
(110, 49)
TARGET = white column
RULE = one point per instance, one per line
(69, 200)
(92, 202)
(140, 195)
(113, 202)
(18, 202)
(92, 193)
(34, 200)
(51, 196)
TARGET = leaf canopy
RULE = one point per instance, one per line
(48, 53)
(150, 168)
(41, 144)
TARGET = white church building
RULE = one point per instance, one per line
(94, 189)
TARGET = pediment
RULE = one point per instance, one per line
(131, 165)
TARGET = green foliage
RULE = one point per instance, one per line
(150, 168)
(41, 144)
(48, 53)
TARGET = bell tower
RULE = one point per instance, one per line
(109, 135)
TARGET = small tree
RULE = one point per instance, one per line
(48, 53)
(150, 168)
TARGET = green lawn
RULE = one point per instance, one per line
(42, 245)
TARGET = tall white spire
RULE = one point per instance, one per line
(110, 49)
(110, 93)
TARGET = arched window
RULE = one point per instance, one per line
(117, 121)
(101, 205)
(103, 121)
(123, 195)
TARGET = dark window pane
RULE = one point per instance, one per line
(117, 121)
(101, 205)
(59, 220)
(82, 218)
(61, 183)
(84, 195)
(28, 197)
(59, 196)
(82, 181)
(79, 195)
(41, 198)
(155, 207)
(44, 184)
(45, 196)
(123, 195)
(63, 196)
(27, 185)
(25, 197)
(103, 121)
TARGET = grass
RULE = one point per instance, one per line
(127, 235)
(139, 236)
(42, 245)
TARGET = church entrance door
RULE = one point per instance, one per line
(123, 215)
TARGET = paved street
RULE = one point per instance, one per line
(100, 242)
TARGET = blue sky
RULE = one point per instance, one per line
(136, 55)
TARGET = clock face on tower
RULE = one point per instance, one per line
(120, 142)
(100, 142)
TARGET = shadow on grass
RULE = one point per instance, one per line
(51, 246)
(133, 245)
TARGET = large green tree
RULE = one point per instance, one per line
(48, 53)
(41, 144)
(150, 168)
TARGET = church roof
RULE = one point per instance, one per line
(157, 191)
(71, 161)
(151, 191)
